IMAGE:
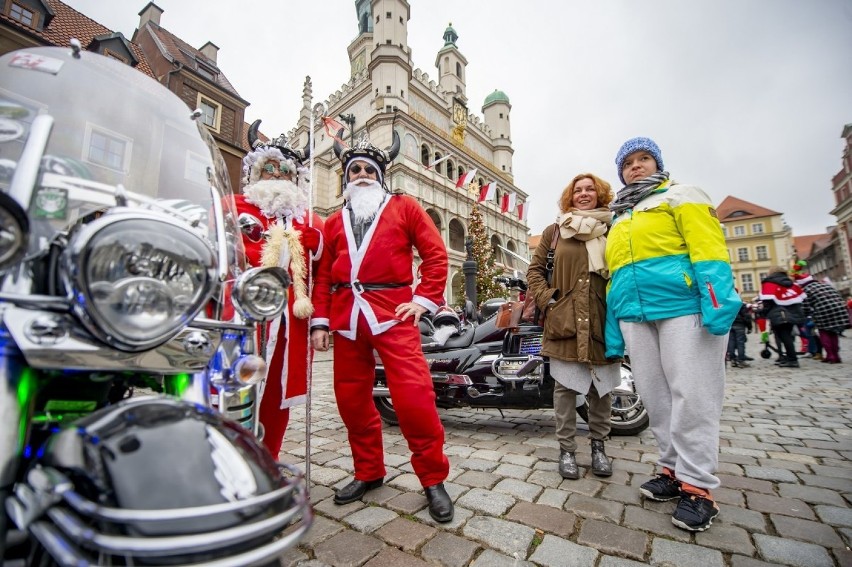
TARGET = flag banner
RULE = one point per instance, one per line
(332, 127)
(437, 161)
(488, 192)
(508, 202)
(465, 178)
(523, 210)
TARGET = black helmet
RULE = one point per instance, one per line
(159, 481)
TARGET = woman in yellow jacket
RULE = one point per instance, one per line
(671, 302)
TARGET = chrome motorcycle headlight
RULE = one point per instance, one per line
(260, 294)
(14, 230)
(138, 278)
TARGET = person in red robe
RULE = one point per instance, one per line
(279, 230)
(365, 293)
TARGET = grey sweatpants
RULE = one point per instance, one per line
(679, 371)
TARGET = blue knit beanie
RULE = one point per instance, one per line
(635, 145)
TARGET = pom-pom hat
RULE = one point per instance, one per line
(637, 145)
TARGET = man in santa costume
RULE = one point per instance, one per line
(364, 293)
(274, 219)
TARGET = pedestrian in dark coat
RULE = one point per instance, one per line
(829, 313)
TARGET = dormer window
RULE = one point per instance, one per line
(18, 12)
(211, 112)
(206, 73)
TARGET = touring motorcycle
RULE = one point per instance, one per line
(121, 267)
(482, 366)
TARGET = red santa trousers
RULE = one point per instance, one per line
(413, 399)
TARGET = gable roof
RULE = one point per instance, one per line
(732, 209)
(804, 244)
(177, 50)
(68, 23)
(533, 241)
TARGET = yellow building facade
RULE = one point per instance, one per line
(757, 239)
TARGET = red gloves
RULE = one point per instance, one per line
(311, 239)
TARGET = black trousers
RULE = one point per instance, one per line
(784, 334)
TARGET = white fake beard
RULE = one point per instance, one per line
(278, 198)
(364, 198)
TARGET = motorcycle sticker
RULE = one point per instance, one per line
(51, 203)
(35, 62)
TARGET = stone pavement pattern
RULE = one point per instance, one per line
(785, 452)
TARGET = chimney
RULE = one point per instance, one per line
(150, 13)
(209, 50)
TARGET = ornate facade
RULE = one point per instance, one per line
(385, 92)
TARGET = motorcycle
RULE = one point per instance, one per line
(120, 269)
(486, 367)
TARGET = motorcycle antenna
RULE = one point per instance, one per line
(317, 111)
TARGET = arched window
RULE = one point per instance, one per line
(424, 154)
(436, 218)
(451, 170)
(456, 235)
(440, 165)
(458, 70)
(498, 254)
(446, 69)
(511, 260)
(459, 172)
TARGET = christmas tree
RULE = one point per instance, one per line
(486, 287)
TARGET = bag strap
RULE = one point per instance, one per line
(548, 266)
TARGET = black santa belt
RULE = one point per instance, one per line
(361, 287)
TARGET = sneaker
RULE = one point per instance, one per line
(743, 364)
(818, 356)
(662, 488)
(694, 512)
(789, 364)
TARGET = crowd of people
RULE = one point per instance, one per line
(643, 272)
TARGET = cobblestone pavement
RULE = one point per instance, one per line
(785, 452)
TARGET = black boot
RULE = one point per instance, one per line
(355, 490)
(568, 466)
(440, 504)
(600, 462)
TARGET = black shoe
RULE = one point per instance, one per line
(747, 358)
(440, 504)
(694, 513)
(600, 462)
(355, 490)
(662, 488)
(789, 364)
(568, 466)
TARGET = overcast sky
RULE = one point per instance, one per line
(745, 97)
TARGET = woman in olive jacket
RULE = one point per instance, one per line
(574, 303)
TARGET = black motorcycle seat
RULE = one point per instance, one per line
(462, 339)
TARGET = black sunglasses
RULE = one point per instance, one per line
(356, 169)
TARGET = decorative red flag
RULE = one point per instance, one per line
(466, 178)
(332, 127)
(508, 203)
(523, 210)
(488, 191)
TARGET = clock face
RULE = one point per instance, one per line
(459, 113)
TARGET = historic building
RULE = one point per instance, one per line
(841, 186)
(757, 239)
(432, 116)
(193, 75)
(190, 73)
(32, 23)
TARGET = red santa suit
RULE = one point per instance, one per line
(356, 293)
(287, 344)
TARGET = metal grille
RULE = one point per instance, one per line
(530, 344)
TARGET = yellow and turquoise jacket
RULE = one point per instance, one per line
(667, 258)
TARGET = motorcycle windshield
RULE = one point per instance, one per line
(82, 135)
